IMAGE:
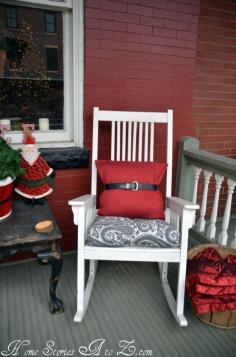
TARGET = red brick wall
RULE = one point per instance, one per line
(214, 89)
(69, 184)
(214, 95)
(140, 55)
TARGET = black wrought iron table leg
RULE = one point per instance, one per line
(55, 259)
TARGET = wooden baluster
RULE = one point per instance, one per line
(174, 220)
(197, 171)
(211, 231)
(233, 244)
(201, 222)
(223, 236)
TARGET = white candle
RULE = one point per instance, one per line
(5, 122)
(43, 124)
(5, 125)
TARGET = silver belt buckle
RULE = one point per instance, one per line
(136, 186)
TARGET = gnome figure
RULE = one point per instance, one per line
(38, 178)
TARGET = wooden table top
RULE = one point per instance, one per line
(18, 228)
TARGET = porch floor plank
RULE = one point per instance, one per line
(127, 304)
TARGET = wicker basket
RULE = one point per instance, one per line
(222, 319)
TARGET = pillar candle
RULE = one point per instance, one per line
(43, 124)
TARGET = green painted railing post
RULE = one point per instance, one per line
(185, 176)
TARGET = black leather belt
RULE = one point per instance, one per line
(134, 186)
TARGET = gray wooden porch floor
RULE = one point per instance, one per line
(127, 304)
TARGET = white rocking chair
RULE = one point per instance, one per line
(179, 213)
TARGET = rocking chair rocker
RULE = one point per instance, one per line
(136, 144)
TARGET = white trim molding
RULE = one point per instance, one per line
(56, 5)
(78, 69)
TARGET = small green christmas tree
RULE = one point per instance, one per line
(10, 161)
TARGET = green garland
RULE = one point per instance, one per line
(10, 161)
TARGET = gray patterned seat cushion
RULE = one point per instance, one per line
(122, 232)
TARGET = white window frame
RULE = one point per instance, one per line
(73, 59)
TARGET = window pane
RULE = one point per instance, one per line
(11, 12)
(27, 90)
(52, 59)
(49, 18)
(50, 28)
(11, 22)
(50, 22)
(11, 17)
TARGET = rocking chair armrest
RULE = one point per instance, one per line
(81, 206)
(85, 200)
(178, 204)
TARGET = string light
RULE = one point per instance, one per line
(28, 83)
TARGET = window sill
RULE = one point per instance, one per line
(66, 158)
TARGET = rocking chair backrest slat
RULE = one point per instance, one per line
(134, 141)
(151, 141)
(140, 143)
(169, 152)
(118, 142)
(146, 142)
(124, 142)
(113, 128)
(131, 140)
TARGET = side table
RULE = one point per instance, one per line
(17, 234)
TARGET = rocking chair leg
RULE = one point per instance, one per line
(164, 271)
(181, 293)
(80, 287)
(175, 307)
(84, 295)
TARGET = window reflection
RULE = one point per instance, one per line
(31, 66)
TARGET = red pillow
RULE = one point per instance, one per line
(128, 203)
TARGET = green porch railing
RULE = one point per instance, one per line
(194, 166)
